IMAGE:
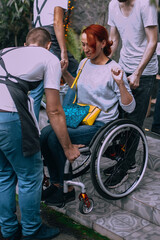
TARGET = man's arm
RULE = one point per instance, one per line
(151, 33)
(59, 31)
(114, 36)
(57, 120)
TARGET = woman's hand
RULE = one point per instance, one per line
(126, 97)
(117, 75)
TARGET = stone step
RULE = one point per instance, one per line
(134, 217)
(143, 202)
(154, 153)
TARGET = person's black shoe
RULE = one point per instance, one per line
(112, 169)
(56, 199)
(69, 196)
(16, 236)
(43, 233)
(117, 178)
(48, 192)
(156, 131)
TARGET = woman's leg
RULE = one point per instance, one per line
(81, 135)
(47, 154)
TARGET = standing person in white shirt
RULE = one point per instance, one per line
(135, 22)
(49, 14)
(21, 70)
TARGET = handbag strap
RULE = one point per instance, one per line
(76, 79)
(78, 74)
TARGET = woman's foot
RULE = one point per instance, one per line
(69, 196)
(48, 192)
(56, 199)
(59, 198)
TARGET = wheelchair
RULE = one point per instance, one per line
(120, 142)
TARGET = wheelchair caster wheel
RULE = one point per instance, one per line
(86, 207)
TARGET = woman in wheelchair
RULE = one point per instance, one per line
(101, 83)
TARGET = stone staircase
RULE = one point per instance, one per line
(134, 217)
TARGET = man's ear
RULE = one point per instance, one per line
(25, 44)
(48, 45)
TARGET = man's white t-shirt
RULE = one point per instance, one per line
(132, 33)
(47, 13)
(30, 64)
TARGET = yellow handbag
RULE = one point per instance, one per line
(93, 110)
(92, 114)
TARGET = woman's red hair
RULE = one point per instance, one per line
(97, 32)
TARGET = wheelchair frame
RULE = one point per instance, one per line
(129, 143)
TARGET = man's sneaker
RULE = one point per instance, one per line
(16, 236)
(69, 196)
(48, 192)
(112, 169)
(56, 199)
(43, 233)
(116, 179)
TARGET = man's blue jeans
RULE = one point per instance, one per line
(156, 118)
(53, 153)
(28, 171)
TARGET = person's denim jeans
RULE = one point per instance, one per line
(28, 171)
(53, 152)
(142, 95)
(156, 117)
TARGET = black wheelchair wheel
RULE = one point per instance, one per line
(121, 150)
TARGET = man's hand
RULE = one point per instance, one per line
(64, 61)
(72, 152)
(117, 75)
(133, 80)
